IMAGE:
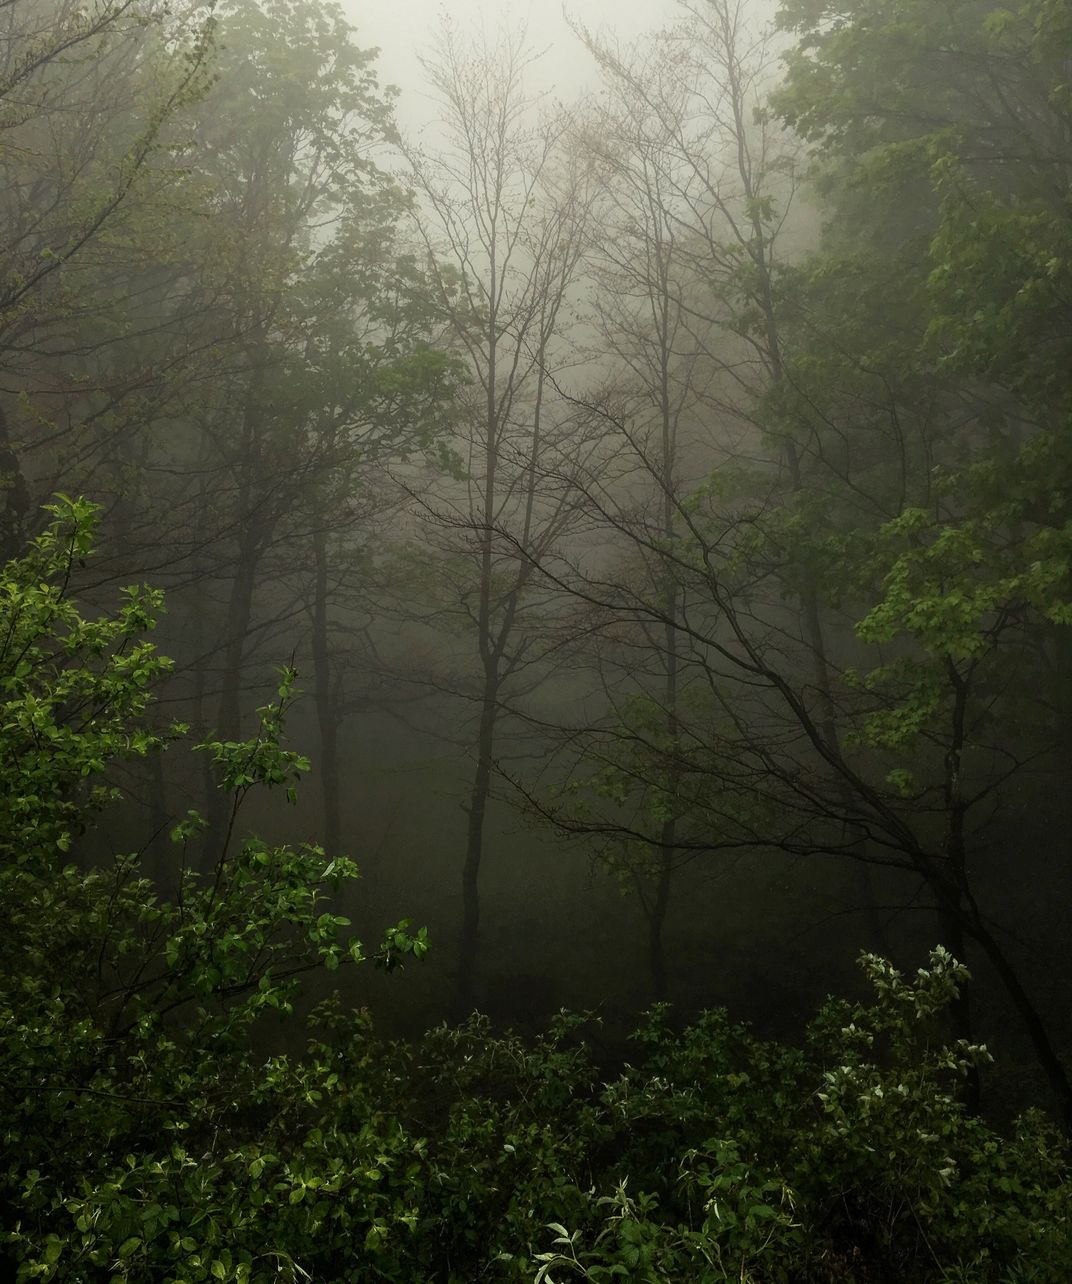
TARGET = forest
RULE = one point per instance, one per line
(536, 650)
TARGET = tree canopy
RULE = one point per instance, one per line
(676, 478)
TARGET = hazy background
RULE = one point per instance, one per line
(403, 31)
(198, 399)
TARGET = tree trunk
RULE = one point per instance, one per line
(672, 659)
(660, 985)
(864, 878)
(229, 717)
(326, 713)
(951, 918)
(239, 616)
(474, 849)
(159, 847)
(952, 936)
(469, 932)
(1052, 1068)
(199, 702)
(14, 497)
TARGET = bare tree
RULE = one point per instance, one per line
(786, 750)
(695, 196)
(503, 214)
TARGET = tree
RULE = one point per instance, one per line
(146, 1137)
(286, 144)
(127, 1007)
(685, 255)
(396, 403)
(260, 346)
(327, 317)
(90, 96)
(894, 758)
(959, 404)
(503, 211)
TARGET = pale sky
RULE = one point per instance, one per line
(402, 28)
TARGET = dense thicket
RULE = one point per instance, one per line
(144, 1138)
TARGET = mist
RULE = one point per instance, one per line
(406, 35)
(537, 551)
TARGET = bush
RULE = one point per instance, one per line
(144, 1140)
(849, 1159)
(129, 1085)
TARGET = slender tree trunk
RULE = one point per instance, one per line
(239, 617)
(326, 713)
(657, 910)
(951, 918)
(159, 818)
(474, 848)
(1050, 1062)
(659, 905)
(660, 902)
(953, 937)
(250, 547)
(14, 497)
(229, 716)
(963, 923)
(469, 933)
(827, 721)
(199, 702)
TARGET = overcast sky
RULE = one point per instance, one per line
(402, 28)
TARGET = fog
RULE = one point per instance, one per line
(659, 488)
(404, 33)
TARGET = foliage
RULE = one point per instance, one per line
(127, 1012)
(154, 1124)
(935, 425)
(62, 720)
(920, 413)
(850, 1158)
(144, 1138)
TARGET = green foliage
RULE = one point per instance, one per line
(744, 1160)
(71, 691)
(144, 1139)
(926, 381)
(126, 1013)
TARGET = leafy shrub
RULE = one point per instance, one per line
(850, 1158)
(124, 1016)
(144, 1140)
